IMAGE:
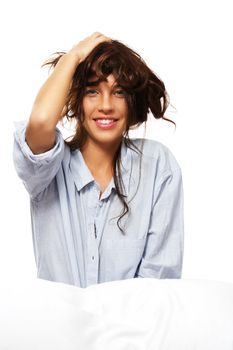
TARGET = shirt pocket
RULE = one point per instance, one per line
(122, 256)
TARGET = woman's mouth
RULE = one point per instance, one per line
(105, 123)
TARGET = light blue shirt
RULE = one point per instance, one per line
(75, 240)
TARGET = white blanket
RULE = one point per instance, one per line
(136, 314)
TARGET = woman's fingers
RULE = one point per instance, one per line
(85, 46)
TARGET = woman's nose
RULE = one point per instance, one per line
(105, 104)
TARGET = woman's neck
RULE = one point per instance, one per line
(99, 158)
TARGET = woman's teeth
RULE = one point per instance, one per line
(105, 121)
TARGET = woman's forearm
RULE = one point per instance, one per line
(51, 98)
(48, 105)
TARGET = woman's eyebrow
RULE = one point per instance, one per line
(93, 83)
(97, 82)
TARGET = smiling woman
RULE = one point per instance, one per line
(105, 109)
(104, 207)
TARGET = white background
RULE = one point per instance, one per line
(189, 45)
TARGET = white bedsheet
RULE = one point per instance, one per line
(136, 314)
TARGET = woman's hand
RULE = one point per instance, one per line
(84, 47)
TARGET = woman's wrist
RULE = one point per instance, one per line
(68, 61)
(73, 57)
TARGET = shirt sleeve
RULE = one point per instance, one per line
(163, 254)
(36, 170)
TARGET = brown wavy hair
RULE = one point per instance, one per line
(144, 92)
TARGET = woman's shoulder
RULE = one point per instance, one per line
(156, 152)
(151, 148)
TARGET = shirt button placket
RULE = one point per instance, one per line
(93, 247)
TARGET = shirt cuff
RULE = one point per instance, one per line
(41, 158)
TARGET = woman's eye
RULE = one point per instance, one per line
(90, 92)
(120, 92)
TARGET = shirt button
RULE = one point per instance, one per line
(93, 258)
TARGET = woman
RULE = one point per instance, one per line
(103, 207)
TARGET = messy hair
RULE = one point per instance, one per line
(144, 91)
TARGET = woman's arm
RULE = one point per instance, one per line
(51, 98)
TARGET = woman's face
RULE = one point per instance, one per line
(105, 111)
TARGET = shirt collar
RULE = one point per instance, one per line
(82, 175)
